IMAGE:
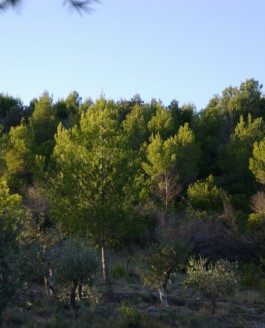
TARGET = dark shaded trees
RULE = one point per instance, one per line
(11, 111)
(234, 157)
(11, 217)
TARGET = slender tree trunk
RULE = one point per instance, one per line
(46, 287)
(166, 197)
(163, 296)
(214, 305)
(127, 266)
(72, 295)
(105, 267)
(80, 291)
(49, 283)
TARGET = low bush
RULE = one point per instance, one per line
(212, 280)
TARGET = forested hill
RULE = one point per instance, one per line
(112, 172)
(158, 140)
(90, 155)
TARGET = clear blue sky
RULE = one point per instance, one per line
(186, 50)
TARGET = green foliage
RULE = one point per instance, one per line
(187, 155)
(129, 317)
(73, 264)
(37, 246)
(211, 132)
(171, 163)
(93, 183)
(19, 158)
(257, 162)
(135, 130)
(217, 122)
(234, 157)
(256, 220)
(161, 123)
(11, 219)
(205, 195)
(110, 160)
(181, 115)
(11, 210)
(118, 271)
(74, 261)
(161, 261)
(11, 111)
(43, 123)
(212, 280)
(242, 101)
(256, 227)
(250, 274)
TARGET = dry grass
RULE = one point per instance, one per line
(248, 297)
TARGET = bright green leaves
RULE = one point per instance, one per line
(205, 195)
(172, 163)
(161, 123)
(177, 155)
(100, 124)
(135, 130)
(43, 121)
(10, 208)
(18, 157)
(161, 156)
(257, 162)
(92, 173)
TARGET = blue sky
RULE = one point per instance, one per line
(186, 50)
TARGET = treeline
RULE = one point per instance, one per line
(112, 172)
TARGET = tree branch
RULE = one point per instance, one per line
(79, 5)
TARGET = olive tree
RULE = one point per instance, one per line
(160, 261)
(212, 280)
(74, 262)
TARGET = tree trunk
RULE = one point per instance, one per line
(46, 287)
(49, 283)
(105, 267)
(214, 305)
(166, 197)
(80, 291)
(163, 296)
(72, 295)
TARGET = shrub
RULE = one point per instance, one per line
(256, 220)
(129, 317)
(213, 280)
(258, 202)
(205, 195)
(118, 271)
(256, 226)
(252, 275)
